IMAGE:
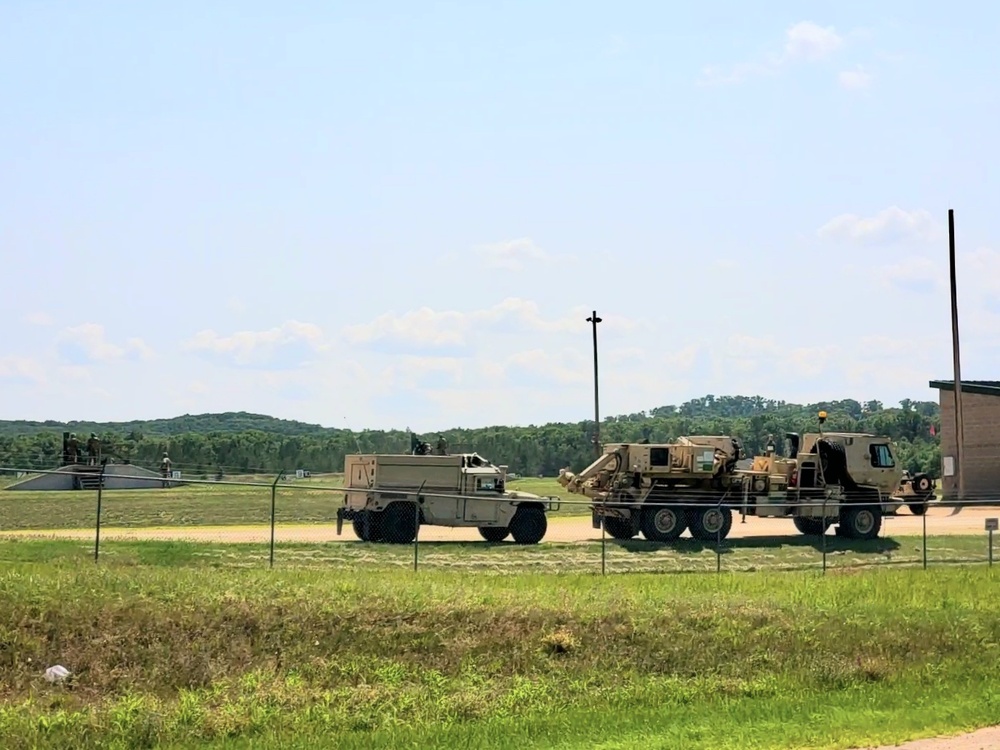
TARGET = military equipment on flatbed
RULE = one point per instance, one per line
(389, 496)
(851, 479)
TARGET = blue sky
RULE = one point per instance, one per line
(399, 214)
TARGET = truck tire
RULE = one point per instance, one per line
(368, 527)
(620, 528)
(528, 526)
(399, 523)
(494, 534)
(710, 522)
(917, 509)
(860, 521)
(921, 484)
(661, 524)
(811, 526)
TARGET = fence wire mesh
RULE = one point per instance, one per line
(291, 522)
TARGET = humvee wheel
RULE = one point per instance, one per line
(861, 522)
(368, 528)
(710, 523)
(620, 528)
(662, 524)
(917, 509)
(528, 525)
(921, 483)
(493, 533)
(811, 526)
(399, 524)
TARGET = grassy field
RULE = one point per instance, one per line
(636, 556)
(300, 501)
(172, 657)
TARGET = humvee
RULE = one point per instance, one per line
(389, 496)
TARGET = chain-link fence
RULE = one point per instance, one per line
(293, 521)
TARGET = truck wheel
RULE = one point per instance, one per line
(811, 526)
(861, 521)
(662, 524)
(710, 523)
(917, 509)
(528, 525)
(493, 534)
(921, 483)
(368, 527)
(620, 528)
(399, 523)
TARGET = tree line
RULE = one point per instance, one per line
(239, 443)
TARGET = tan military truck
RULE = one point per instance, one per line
(388, 496)
(851, 479)
(692, 477)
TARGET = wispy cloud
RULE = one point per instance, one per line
(892, 224)
(805, 42)
(854, 80)
(88, 343)
(292, 344)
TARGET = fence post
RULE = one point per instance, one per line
(416, 526)
(718, 542)
(97, 529)
(924, 518)
(823, 528)
(604, 536)
(274, 493)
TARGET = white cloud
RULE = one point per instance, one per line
(856, 79)
(288, 345)
(21, 369)
(512, 255)
(515, 255)
(809, 41)
(892, 224)
(39, 319)
(429, 328)
(88, 342)
(805, 42)
(564, 367)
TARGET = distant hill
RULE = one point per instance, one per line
(242, 442)
(232, 421)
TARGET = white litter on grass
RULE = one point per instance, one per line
(58, 673)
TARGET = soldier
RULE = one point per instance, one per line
(74, 448)
(165, 468)
(442, 446)
(93, 449)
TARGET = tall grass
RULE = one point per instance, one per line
(343, 658)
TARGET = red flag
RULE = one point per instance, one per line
(933, 431)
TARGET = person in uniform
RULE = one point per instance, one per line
(442, 446)
(93, 449)
(165, 468)
(74, 448)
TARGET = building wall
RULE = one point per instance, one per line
(981, 459)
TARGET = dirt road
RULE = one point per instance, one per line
(572, 529)
(984, 739)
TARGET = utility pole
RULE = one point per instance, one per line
(959, 425)
(594, 320)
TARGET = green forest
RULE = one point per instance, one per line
(240, 443)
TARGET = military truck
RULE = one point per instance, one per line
(695, 474)
(388, 496)
(851, 479)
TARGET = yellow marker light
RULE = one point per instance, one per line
(822, 415)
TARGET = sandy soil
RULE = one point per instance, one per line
(984, 739)
(939, 521)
